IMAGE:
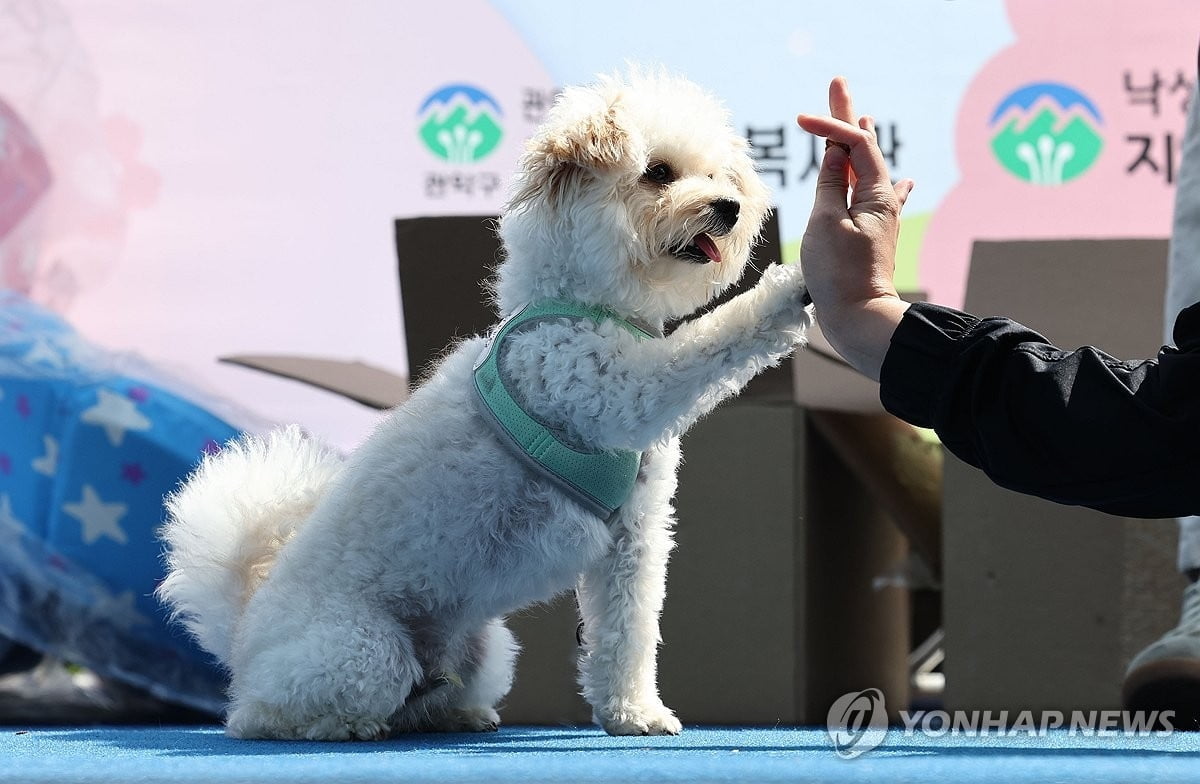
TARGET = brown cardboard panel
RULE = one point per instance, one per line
(1103, 293)
(856, 636)
(822, 379)
(1025, 624)
(443, 262)
(1038, 610)
(733, 623)
(545, 688)
(1045, 604)
(367, 384)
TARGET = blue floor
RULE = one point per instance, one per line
(532, 754)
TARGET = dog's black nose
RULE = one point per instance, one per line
(726, 211)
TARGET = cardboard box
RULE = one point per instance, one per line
(1045, 604)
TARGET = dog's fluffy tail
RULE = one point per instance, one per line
(228, 521)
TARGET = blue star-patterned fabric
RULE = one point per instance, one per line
(87, 453)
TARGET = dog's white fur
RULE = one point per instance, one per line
(357, 599)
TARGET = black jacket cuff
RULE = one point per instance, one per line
(918, 361)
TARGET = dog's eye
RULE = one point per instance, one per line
(659, 173)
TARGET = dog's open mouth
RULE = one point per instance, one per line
(701, 249)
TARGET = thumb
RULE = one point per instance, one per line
(833, 181)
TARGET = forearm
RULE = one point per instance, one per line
(1077, 427)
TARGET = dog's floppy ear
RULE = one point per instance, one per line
(583, 134)
(593, 139)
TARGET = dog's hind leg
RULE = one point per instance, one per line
(496, 654)
(486, 679)
(337, 674)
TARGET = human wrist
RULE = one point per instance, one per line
(861, 332)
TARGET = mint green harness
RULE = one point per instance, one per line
(599, 479)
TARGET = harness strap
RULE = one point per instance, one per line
(601, 480)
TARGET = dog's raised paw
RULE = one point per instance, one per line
(639, 720)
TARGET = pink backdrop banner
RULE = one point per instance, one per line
(1105, 73)
(193, 180)
(226, 175)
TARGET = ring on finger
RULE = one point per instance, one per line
(831, 143)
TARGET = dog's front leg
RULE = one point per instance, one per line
(621, 598)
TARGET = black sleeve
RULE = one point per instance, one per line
(1076, 427)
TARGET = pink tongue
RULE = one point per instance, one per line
(707, 247)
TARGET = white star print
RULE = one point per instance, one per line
(6, 512)
(47, 464)
(118, 609)
(75, 349)
(116, 414)
(43, 353)
(98, 518)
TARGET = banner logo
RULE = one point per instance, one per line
(1046, 133)
(460, 123)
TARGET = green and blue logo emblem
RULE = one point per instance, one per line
(1046, 133)
(460, 123)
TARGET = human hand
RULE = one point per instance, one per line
(848, 253)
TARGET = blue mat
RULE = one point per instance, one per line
(532, 754)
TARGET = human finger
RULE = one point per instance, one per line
(866, 159)
(865, 156)
(833, 183)
(832, 128)
(841, 105)
(902, 189)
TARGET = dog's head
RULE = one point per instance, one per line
(636, 194)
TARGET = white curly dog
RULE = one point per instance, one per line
(362, 597)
